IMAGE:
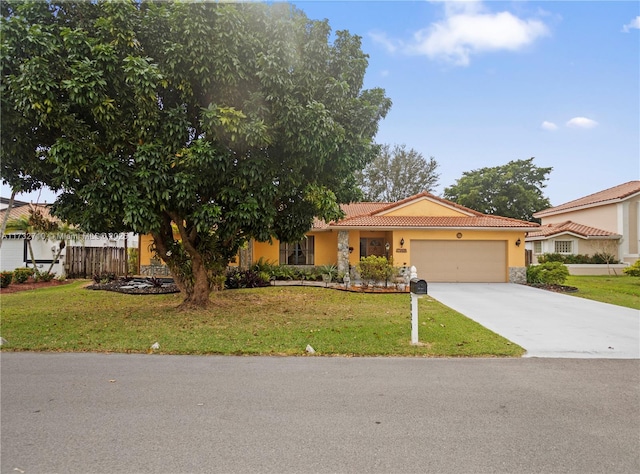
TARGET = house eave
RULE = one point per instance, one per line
(573, 234)
(467, 228)
(551, 212)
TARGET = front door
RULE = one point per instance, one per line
(372, 246)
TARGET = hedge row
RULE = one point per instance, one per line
(21, 275)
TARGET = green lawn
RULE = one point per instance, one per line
(621, 290)
(274, 320)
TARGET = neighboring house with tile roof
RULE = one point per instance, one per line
(14, 251)
(445, 241)
(606, 221)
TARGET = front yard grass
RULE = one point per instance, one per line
(266, 321)
(621, 290)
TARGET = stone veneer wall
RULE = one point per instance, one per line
(343, 251)
(246, 256)
(518, 275)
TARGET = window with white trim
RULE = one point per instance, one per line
(563, 246)
(297, 253)
(537, 247)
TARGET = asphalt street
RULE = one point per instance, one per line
(118, 413)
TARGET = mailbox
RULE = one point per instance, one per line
(418, 287)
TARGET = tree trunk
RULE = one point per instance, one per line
(195, 287)
(61, 247)
(197, 296)
(33, 258)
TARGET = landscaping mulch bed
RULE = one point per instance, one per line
(32, 285)
(133, 287)
(556, 288)
(381, 291)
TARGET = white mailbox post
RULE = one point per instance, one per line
(414, 319)
(418, 289)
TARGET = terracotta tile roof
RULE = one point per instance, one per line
(611, 195)
(570, 227)
(481, 221)
(361, 208)
(352, 210)
(390, 206)
(373, 214)
(23, 211)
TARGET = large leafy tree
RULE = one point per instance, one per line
(23, 166)
(512, 190)
(397, 173)
(204, 124)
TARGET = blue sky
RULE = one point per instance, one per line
(482, 83)
(478, 84)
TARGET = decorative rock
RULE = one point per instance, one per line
(310, 349)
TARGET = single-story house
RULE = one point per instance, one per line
(14, 252)
(446, 242)
(604, 222)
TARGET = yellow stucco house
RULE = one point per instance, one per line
(446, 242)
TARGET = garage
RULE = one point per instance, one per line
(483, 261)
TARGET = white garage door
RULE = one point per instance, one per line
(481, 261)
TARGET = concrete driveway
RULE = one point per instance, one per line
(546, 324)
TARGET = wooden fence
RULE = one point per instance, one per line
(85, 262)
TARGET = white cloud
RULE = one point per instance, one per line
(386, 42)
(633, 24)
(468, 29)
(549, 126)
(581, 122)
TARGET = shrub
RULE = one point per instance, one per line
(218, 282)
(603, 257)
(155, 282)
(44, 276)
(598, 258)
(5, 279)
(104, 277)
(132, 260)
(237, 278)
(373, 268)
(633, 270)
(20, 275)
(330, 270)
(281, 272)
(550, 273)
(263, 265)
(284, 272)
(551, 257)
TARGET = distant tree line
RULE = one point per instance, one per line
(513, 190)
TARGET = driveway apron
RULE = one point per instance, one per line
(545, 323)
